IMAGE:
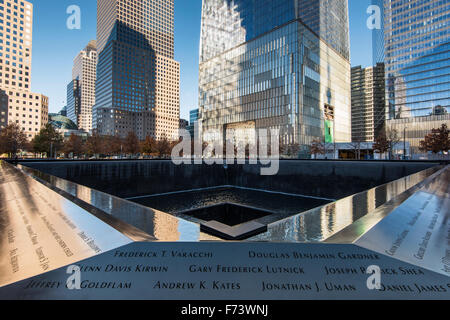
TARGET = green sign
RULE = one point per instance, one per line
(329, 129)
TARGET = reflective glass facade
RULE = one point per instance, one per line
(276, 65)
(413, 28)
(424, 86)
(193, 116)
(193, 120)
(229, 23)
(417, 59)
(378, 55)
(417, 48)
(73, 100)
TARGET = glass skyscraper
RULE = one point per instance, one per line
(417, 50)
(378, 34)
(137, 88)
(73, 100)
(193, 120)
(276, 64)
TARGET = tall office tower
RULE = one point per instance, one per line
(378, 32)
(18, 104)
(73, 100)
(283, 64)
(417, 48)
(138, 79)
(184, 125)
(16, 47)
(84, 73)
(193, 121)
(368, 102)
(3, 109)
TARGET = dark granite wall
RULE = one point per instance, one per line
(326, 179)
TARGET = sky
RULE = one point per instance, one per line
(55, 46)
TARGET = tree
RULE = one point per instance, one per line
(393, 139)
(114, 145)
(317, 148)
(204, 145)
(356, 146)
(12, 139)
(290, 150)
(48, 141)
(174, 143)
(148, 146)
(386, 142)
(329, 147)
(131, 143)
(74, 145)
(94, 144)
(437, 141)
(381, 144)
(163, 147)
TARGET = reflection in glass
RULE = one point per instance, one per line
(275, 65)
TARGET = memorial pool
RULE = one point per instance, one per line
(307, 201)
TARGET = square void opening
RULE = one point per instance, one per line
(227, 213)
